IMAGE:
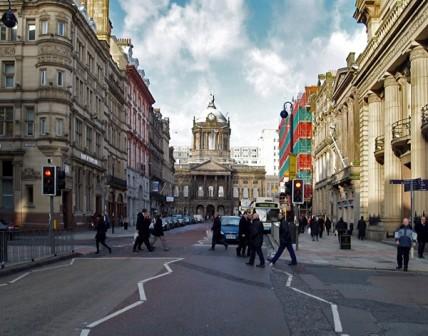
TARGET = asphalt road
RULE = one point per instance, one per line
(191, 290)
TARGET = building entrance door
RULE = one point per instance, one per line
(210, 211)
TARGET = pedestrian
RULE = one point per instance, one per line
(421, 229)
(361, 226)
(243, 236)
(100, 236)
(143, 228)
(321, 225)
(341, 228)
(328, 225)
(218, 237)
(256, 231)
(315, 229)
(351, 228)
(404, 240)
(285, 241)
(158, 233)
(304, 224)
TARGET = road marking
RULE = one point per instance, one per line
(337, 323)
(108, 317)
(140, 285)
(3, 284)
(19, 278)
(334, 308)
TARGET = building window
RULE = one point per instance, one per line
(59, 127)
(13, 33)
(235, 192)
(255, 192)
(91, 62)
(43, 126)
(78, 132)
(29, 120)
(31, 31)
(98, 144)
(186, 191)
(200, 191)
(6, 120)
(7, 187)
(60, 78)
(44, 27)
(89, 139)
(3, 31)
(210, 191)
(176, 191)
(220, 191)
(43, 77)
(9, 74)
(245, 192)
(60, 28)
(29, 194)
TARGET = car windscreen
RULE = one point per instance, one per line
(230, 221)
(268, 215)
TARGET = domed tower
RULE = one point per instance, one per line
(211, 135)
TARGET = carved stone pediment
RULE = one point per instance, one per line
(211, 166)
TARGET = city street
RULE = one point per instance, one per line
(191, 290)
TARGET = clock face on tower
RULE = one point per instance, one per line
(211, 117)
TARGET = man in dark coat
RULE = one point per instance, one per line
(361, 227)
(143, 228)
(158, 233)
(341, 228)
(100, 236)
(243, 236)
(328, 226)
(421, 228)
(284, 242)
(256, 231)
(321, 225)
(315, 228)
(217, 236)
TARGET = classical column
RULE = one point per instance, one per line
(392, 164)
(375, 178)
(364, 154)
(419, 82)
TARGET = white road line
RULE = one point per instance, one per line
(143, 297)
(3, 284)
(85, 332)
(336, 318)
(116, 313)
(334, 309)
(19, 278)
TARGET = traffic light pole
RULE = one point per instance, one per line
(51, 237)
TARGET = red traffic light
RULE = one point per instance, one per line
(298, 184)
(48, 172)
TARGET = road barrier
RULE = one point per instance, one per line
(29, 246)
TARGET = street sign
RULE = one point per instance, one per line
(412, 184)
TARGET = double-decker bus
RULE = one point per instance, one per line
(268, 211)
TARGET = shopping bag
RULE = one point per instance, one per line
(135, 236)
(309, 231)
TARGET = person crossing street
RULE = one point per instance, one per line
(256, 241)
(243, 236)
(285, 242)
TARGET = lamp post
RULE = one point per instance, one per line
(284, 114)
(9, 19)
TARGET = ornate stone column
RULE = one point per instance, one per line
(392, 164)
(375, 170)
(419, 85)
(364, 155)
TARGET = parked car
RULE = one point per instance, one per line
(230, 227)
(187, 220)
(198, 218)
(9, 228)
(164, 223)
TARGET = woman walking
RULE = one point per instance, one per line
(158, 233)
(100, 236)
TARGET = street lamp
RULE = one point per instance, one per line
(284, 113)
(9, 19)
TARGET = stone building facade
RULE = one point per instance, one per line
(392, 89)
(210, 182)
(61, 98)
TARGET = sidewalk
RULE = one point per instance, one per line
(119, 232)
(363, 254)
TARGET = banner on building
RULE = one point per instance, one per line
(292, 170)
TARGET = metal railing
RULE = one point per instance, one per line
(380, 143)
(425, 115)
(28, 246)
(401, 128)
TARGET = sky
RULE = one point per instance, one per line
(253, 55)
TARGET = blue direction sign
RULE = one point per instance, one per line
(417, 184)
(423, 185)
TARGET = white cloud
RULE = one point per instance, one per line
(139, 12)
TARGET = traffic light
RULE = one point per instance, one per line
(297, 194)
(60, 180)
(49, 180)
(288, 188)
